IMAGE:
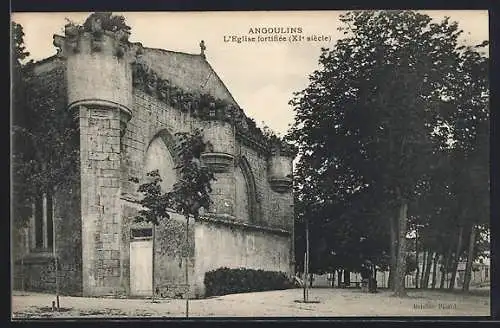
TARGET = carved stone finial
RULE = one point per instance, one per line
(202, 48)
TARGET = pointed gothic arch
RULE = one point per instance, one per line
(161, 154)
(169, 140)
(250, 189)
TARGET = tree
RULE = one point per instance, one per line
(18, 104)
(45, 135)
(190, 193)
(410, 265)
(18, 48)
(459, 194)
(470, 125)
(45, 148)
(370, 113)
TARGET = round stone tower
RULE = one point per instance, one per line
(99, 83)
(280, 170)
(220, 156)
(280, 178)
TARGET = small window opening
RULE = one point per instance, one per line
(142, 233)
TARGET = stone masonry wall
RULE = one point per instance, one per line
(170, 237)
(101, 215)
(170, 256)
(273, 209)
(221, 245)
(68, 223)
(258, 165)
(149, 118)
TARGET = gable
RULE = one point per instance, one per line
(190, 72)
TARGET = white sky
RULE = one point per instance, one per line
(261, 76)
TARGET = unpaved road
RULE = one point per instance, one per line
(332, 302)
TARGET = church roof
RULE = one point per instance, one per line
(192, 74)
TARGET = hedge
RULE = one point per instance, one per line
(225, 281)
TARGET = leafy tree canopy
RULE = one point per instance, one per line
(388, 117)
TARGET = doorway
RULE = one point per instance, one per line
(141, 262)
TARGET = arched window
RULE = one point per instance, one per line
(159, 157)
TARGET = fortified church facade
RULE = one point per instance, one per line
(129, 101)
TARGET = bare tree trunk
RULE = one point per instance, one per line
(306, 265)
(399, 281)
(470, 259)
(456, 258)
(444, 266)
(304, 282)
(443, 274)
(393, 252)
(425, 255)
(428, 263)
(434, 268)
(417, 271)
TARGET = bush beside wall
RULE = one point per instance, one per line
(225, 281)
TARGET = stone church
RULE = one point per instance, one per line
(129, 101)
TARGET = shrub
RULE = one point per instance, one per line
(225, 281)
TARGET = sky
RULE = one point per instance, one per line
(261, 76)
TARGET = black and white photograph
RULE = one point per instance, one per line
(250, 164)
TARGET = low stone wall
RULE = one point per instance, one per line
(170, 256)
(220, 243)
(38, 274)
(170, 246)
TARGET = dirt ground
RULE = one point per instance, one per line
(284, 303)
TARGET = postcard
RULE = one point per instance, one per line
(250, 164)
